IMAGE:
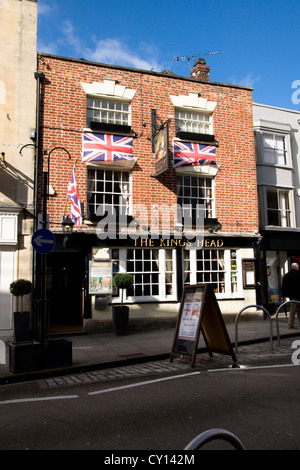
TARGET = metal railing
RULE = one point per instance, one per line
(258, 307)
(212, 435)
(277, 312)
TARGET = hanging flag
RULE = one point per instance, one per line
(72, 194)
(187, 153)
(105, 147)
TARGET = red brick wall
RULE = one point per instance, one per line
(63, 117)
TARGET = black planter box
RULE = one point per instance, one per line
(24, 356)
(120, 320)
(58, 353)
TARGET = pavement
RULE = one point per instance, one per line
(253, 339)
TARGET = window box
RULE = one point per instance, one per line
(109, 128)
(193, 136)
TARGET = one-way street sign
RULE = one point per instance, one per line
(43, 241)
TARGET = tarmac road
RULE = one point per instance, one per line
(161, 409)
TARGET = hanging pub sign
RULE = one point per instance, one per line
(100, 277)
(161, 149)
(199, 312)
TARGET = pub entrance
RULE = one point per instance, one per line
(65, 292)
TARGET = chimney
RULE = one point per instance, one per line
(200, 70)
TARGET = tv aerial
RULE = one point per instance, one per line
(188, 58)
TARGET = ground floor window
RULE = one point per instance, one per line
(221, 268)
(154, 273)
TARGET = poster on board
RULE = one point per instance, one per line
(100, 278)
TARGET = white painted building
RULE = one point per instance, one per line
(277, 140)
(18, 31)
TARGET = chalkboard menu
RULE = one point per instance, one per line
(199, 312)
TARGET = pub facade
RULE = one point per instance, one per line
(157, 173)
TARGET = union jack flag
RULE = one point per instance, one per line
(187, 153)
(72, 194)
(105, 147)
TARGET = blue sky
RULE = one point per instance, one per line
(258, 40)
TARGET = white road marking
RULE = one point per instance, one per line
(28, 400)
(139, 384)
(241, 367)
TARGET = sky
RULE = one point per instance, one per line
(252, 43)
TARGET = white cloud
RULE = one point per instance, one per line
(248, 81)
(112, 51)
(44, 8)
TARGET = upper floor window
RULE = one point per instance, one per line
(274, 149)
(191, 121)
(193, 195)
(107, 111)
(278, 208)
(108, 190)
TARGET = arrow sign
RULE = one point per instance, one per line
(43, 241)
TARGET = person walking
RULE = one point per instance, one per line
(291, 289)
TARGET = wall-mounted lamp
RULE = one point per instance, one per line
(67, 226)
(2, 158)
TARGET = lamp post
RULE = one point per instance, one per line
(41, 290)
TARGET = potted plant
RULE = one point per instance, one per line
(24, 354)
(20, 288)
(123, 281)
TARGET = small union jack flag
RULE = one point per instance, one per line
(187, 153)
(74, 199)
(105, 147)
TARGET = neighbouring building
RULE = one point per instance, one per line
(277, 143)
(18, 29)
(166, 178)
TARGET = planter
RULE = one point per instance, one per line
(24, 356)
(120, 320)
(22, 326)
(58, 353)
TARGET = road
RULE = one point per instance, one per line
(159, 412)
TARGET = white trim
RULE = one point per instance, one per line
(194, 102)
(109, 88)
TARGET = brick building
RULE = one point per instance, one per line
(140, 210)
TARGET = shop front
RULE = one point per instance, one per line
(82, 292)
(278, 250)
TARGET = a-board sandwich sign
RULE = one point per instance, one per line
(199, 312)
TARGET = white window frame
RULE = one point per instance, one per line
(280, 191)
(274, 149)
(275, 129)
(232, 276)
(209, 211)
(162, 295)
(193, 121)
(108, 111)
(125, 193)
(8, 228)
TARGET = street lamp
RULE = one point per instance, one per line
(42, 301)
(67, 226)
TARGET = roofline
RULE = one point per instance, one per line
(276, 107)
(149, 72)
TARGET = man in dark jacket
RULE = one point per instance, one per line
(291, 288)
